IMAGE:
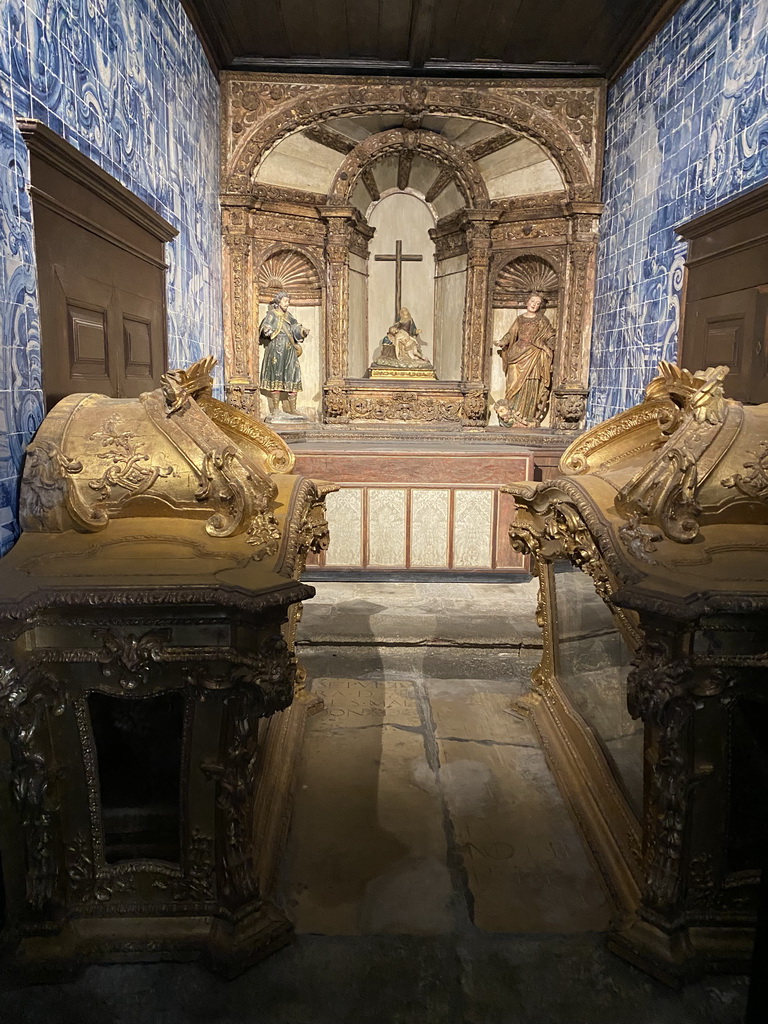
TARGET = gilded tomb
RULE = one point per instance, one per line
(665, 508)
(150, 697)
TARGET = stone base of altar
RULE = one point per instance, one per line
(430, 506)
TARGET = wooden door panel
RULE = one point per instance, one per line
(720, 331)
(101, 275)
(139, 321)
(74, 317)
(88, 356)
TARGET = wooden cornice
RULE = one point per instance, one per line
(46, 145)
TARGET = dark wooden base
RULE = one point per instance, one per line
(228, 945)
(684, 953)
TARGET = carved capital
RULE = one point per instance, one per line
(336, 401)
(570, 408)
(243, 394)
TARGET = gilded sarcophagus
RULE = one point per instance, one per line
(665, 507)
(150, 697)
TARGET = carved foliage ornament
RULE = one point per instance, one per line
(658, 692)
(342, 404)
(241, 492)
(25, 700)
(48, 486)
(753, 484)
(235, 772)
(277, 456)
(570, 409)
(128, 467)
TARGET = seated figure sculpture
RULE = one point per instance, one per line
(401, 349)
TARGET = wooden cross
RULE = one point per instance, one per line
(399, 258)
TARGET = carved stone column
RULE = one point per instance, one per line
(571, 383)
(478, 233)
(340, 221)
(240, 372)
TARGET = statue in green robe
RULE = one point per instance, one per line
(280, 376)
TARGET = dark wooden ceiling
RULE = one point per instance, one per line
(441, 37)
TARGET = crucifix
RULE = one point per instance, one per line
(399, 258)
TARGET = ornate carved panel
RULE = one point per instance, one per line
(563, 118)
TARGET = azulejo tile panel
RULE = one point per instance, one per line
(687, 130)
(127, 83)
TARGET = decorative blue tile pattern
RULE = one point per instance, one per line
(687, 130)
(126, 82)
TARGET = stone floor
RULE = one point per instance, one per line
(432, 872)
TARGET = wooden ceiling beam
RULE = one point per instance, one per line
(330, 138)
(420, 41)
(490, 145)
(431, 69)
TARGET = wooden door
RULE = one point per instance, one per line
(730, 330)
(725, 316)
(101, 275)
(95, 334)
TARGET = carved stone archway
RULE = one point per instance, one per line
(404, 141)
(563, 118)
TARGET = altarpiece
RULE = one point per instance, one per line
(410, 221)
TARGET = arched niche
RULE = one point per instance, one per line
(513, 283)
(507, 168)
(289, 270)
(403, 217)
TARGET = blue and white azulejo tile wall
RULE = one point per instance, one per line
(687, 130)
(127, 83)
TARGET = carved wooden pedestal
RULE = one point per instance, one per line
(147, 682)
(107, 874)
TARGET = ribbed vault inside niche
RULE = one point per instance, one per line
(509, 163)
